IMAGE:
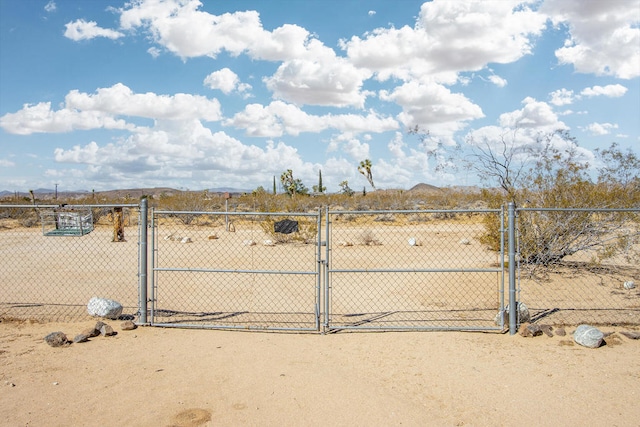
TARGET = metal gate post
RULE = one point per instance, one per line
(511, 231)
(142, 290)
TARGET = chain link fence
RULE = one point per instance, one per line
(328, 270)
(56, 258)
(236, 270)
(412, 270)
(579, 265)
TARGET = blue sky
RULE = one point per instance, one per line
(188, 94)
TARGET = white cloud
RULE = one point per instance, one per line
(371, 12)
(279, 118)
(434, 107)
(437, 49)
(535, 115)
(50, 7)
(610, 91)
(604, 35)
(226, 81)
(84, 111)
(184, 150)
(562, 97)
(40, 118)
(319, 78)
(120, 100)
(188, 32)
(599, 129)
(497, 80)
(6, 163)
(83, 30)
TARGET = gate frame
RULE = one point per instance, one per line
(500, 325)
(318, 270)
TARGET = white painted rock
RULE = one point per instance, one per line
(588, 336)
(629, 285)
(102, 307)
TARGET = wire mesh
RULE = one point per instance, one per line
(580, 265)
(412, 270)
(51, 277)
(234, 270)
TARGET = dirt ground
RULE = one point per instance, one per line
(176, 377)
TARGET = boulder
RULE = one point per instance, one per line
(588, 336)
(102, 307)
(57, 339)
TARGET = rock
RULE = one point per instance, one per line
(547, 329)
(213, 236)
(107, 331)
(268, 243)
(248, 243)
(186, 240)
(465, 242)
(102, 307)
(57, 339)
(588, 336)
(629, 285)
(631, 335)
(414, 242)
(530, 330)
(523, 315)
(91, 332)
(81, 338)
(561, 332)
(345, 243)
(128, 326)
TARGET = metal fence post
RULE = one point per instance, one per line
(511, 231)
(142, 303)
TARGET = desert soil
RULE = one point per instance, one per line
(176, 377)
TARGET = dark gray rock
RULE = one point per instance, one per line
(107, 331)
(530, 330)
(81, 338)
(57, 339)
(631, 335)
(588, 336)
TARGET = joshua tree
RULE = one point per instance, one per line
(365, 169)
(319, 188)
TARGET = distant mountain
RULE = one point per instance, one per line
(424, 188)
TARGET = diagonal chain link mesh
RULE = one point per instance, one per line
(235, 271)
(50, 274)
(597, 284)
(412, 270)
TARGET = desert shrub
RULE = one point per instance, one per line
(562, 181)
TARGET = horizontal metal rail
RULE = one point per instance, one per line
(207, 270)
(261, 214)
(421, 270)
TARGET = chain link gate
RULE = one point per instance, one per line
(236, 270)
(413, 270)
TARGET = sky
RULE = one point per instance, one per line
(107, 94)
